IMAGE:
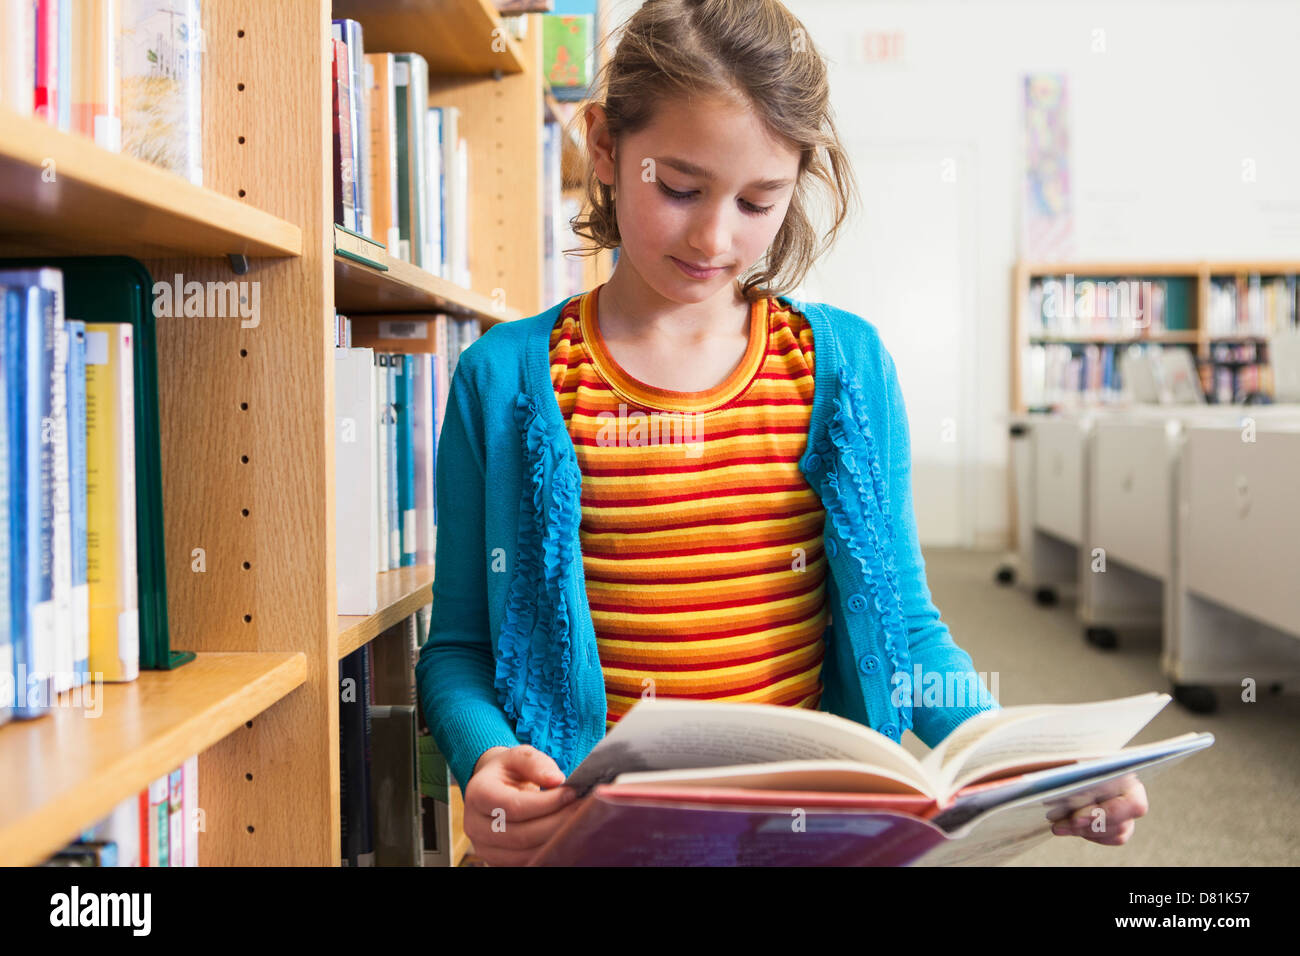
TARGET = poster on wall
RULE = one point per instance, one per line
(1048, 212)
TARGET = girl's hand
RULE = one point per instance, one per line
(1118, 823)
(507, 815)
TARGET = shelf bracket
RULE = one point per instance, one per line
(238, 263)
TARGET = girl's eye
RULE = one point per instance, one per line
(748, 207)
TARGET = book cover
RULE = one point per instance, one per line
(6, 553)
(32, 315)
(161, 53)
(411, 82)
(396, 796)
(111, 502)
(176, 818)
(382, 166)
(158, 809)
(567, 49)
(437, 192)
(77, 497)
(95, 98)
(190, 813)
(408, 531)
(18, 66)
(345, 211)
(61, 510)
(394, 466)
(356, 481)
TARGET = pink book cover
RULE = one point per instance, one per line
(625, 826)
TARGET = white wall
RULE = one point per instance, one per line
(1162, 118)
(1166, 103)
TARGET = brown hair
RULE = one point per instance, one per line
(752, 50)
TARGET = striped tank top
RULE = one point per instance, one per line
(701, 539)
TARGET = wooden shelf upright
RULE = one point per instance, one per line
(247, 409)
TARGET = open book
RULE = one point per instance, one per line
(709, 782)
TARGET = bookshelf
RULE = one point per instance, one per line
(1199, 275)
(247, 414)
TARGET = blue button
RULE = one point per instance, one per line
(869, 664)
(889, 730)
(814, 462)
(832, 548)
(857, 603)
(823, 445)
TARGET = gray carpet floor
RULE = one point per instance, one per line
(1235, 804)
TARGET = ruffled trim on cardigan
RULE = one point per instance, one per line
(869, 536)
(532, 682)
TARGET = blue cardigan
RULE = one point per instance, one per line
(511, 656)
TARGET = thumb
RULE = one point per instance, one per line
(530, 764)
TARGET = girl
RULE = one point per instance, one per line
(682, 482)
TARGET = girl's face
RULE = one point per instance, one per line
(700, 194)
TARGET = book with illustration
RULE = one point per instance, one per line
(682, 782)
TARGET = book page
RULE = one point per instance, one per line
(1093, 728)
(821, 776)
(669, 734)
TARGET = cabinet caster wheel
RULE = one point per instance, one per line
(1045, 596)
(1006, 575)
(1196, 698)
(1102, 637)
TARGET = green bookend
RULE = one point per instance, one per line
(120, 289)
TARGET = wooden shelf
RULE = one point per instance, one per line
(1190, 336)
(68, 770)
(403, 287)
(100, 202)
(401, 593)
(464, 37)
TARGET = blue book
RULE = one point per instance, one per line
(77, 497)
(7, 296)
(30, 333)
(394, 511)
(433, 384)
(408, 533)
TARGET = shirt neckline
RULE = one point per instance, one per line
(652, 396)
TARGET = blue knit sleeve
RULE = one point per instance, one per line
(456, 668)
(957, 692)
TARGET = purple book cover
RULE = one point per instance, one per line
(613, 830)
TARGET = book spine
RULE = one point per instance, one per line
(381, 483)
(190, 809)
(357, 532)
(110, 503)
(366, 852)
(61, 544)
(422, 427)
(394, 501)
(419, 108)
(77, 497)
(176, 817)
(34, 636)
(95, 99)
(402, 156)
(8, 298)
(436, 231)
(379, 84)
(161, 84)
(406, 459)
(433, 458)
(360, 128)
(18, 67)
(158, 810)
(345, 212)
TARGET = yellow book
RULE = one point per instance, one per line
(110, 502)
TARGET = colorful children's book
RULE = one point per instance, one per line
(682, 782)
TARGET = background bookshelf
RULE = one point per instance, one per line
(1224, 312)
(247, 414)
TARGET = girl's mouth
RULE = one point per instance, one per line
(693, 272)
